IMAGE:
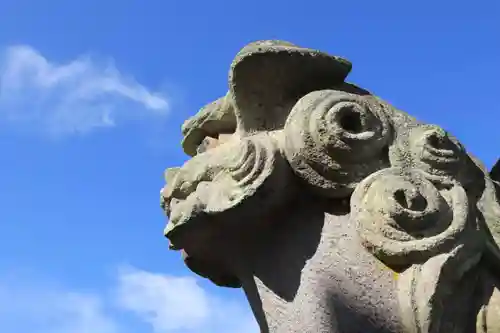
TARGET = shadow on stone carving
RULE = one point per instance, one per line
(333, 210)
(495, 172)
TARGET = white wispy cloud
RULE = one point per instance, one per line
(163, 303)
(72, 97)
(180, 304)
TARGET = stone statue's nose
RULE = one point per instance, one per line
(170, 175)
(166, 192)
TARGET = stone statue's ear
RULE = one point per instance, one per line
(267, 78)
(495, 172)
(213, 119)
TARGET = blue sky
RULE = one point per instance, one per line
(92, 96)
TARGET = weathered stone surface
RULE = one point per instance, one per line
(334, 211)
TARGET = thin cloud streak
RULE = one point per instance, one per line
(75, 97)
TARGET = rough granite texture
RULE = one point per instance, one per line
(334, 211)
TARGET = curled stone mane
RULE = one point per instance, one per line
(333, 210)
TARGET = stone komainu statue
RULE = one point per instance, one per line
(334, 211)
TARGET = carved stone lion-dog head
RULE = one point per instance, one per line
(291, 126)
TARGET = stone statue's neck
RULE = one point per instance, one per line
(274, 279)
(276, 314)
(273, 270)
(304, 276)
(267, 307)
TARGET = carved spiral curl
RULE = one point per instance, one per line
(335, 139)
(403, 219)
(438, 154)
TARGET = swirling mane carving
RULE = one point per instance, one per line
(415, 197)
(334, 139)
(405, 221)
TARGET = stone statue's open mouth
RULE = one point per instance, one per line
(207, 197)
(186, 200)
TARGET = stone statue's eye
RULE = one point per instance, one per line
(207, 144)
(201, 148)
